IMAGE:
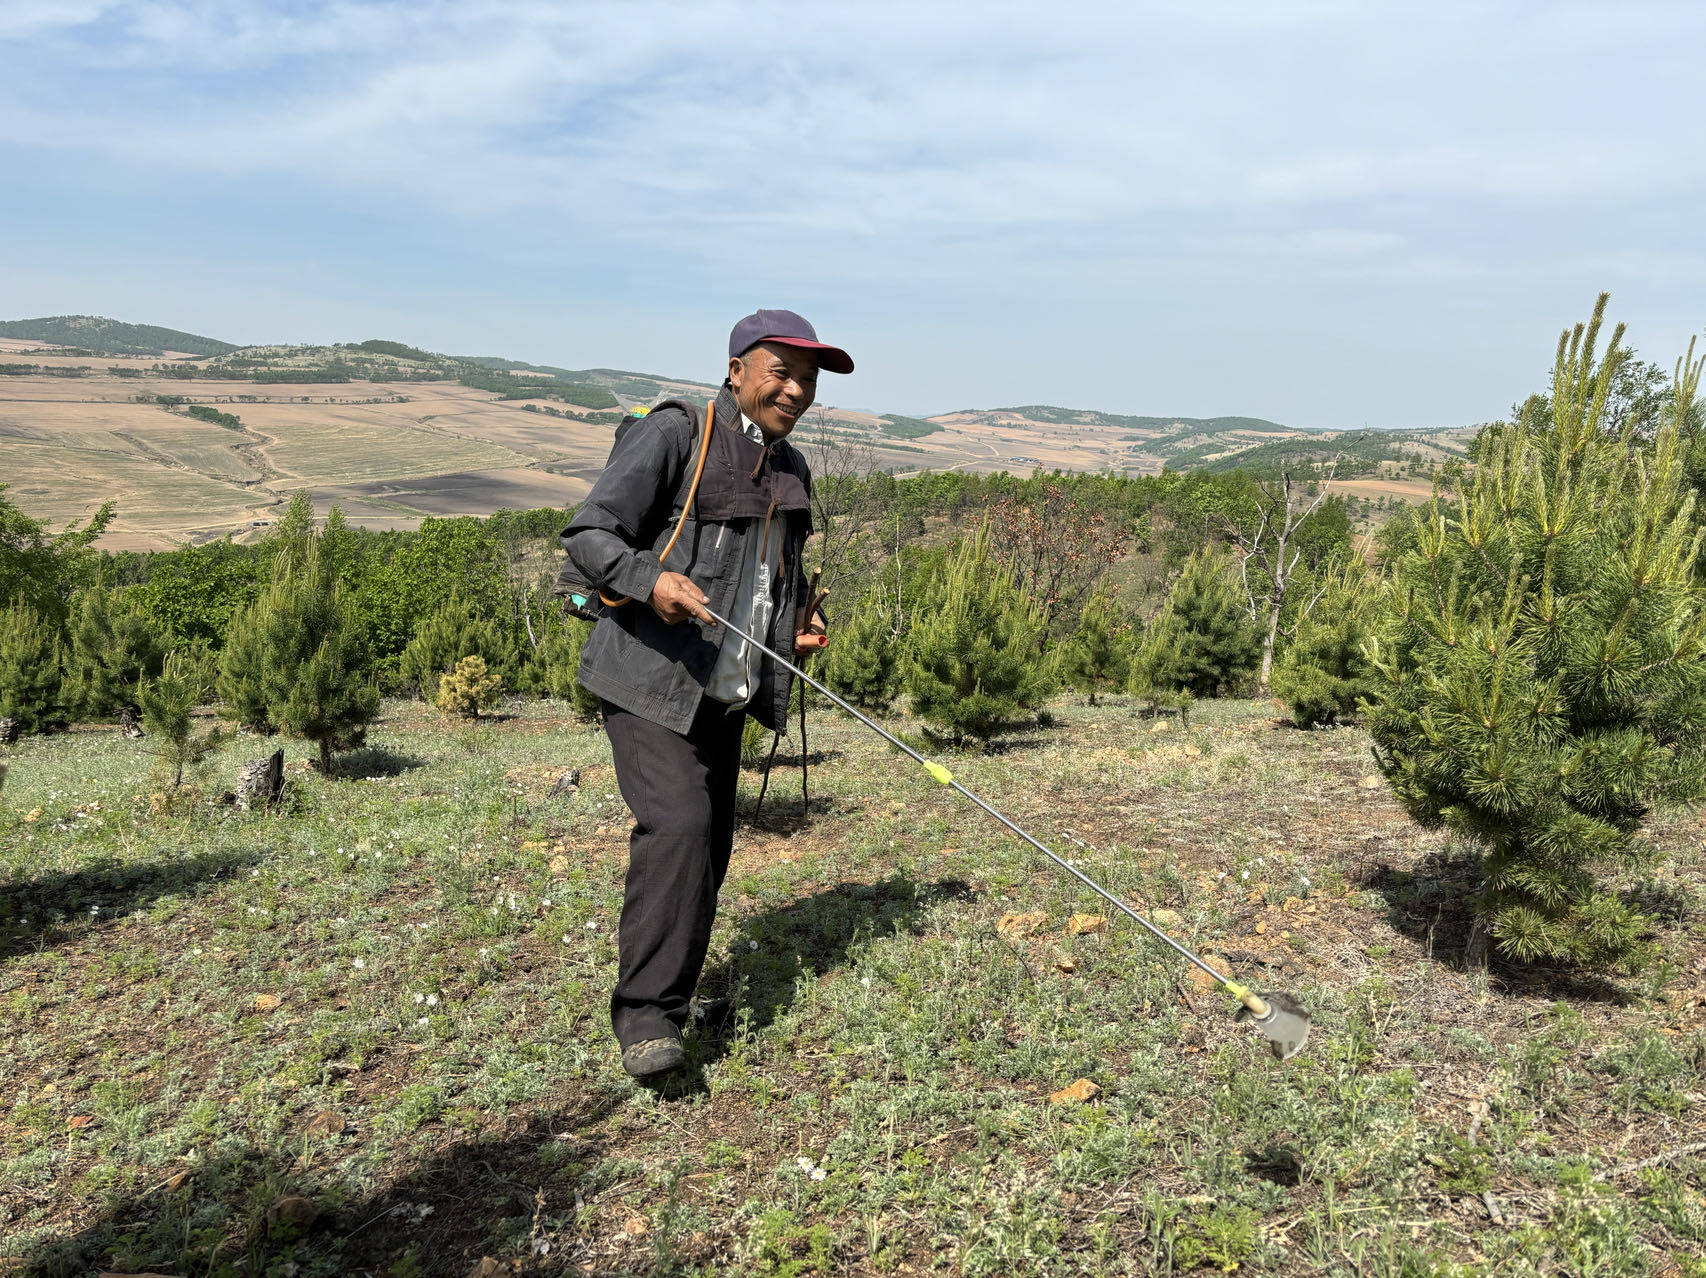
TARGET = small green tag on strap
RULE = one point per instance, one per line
(938, 771)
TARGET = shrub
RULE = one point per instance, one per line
(1325, 673)
(242, 662)
(1098, 653)
(468, 688)
(1203, 642)
(1543, 662)
(976, 657)
(862, 662)
(30, 670)
(451, 633)
(558, 661)
(114, 646)
(313, 663)
(167, 702)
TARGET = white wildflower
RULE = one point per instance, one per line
(358, 964)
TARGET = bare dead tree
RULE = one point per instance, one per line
(1274, 551)
(843, 507)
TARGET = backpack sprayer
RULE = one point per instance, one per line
(1280, 1017)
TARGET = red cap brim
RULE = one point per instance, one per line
(833, 358)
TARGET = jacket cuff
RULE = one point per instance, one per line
(635, 576)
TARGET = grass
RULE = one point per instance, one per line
(367, 1033)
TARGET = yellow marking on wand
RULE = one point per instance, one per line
(938, 771)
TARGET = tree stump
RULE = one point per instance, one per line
(260, 782)
(8, 730)
(128, 726)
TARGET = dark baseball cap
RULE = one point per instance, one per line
(786, 329)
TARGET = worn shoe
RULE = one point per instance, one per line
(652, 1057)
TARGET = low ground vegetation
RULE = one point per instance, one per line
(366, 1032)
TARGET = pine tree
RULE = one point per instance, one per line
(453, 632)
(31, 663)
(467, 688)
(315, 675)
(862, 661)
(975, 655)
(242, 663)
(1098, 654)
(1543, 662)
(1325, 673)
(167, 702)
(558, 661)
(1203, 642)
(114, 646)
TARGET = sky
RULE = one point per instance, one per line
(1325, 214)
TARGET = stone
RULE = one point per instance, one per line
(1161, 725)
(267, 1002)
(128, 726)
(566, 784)
(1084, 924)
(8, 730)
(1020, 924)
(260, 782)
(1077, 1093)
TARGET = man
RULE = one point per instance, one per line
(676, 686)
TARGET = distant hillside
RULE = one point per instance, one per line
(1192, 425)
(111, 337)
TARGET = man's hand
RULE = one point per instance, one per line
(675, 598)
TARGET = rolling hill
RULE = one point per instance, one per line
(199, 445)
(103, 336)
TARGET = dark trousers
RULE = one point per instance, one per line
(681, 790)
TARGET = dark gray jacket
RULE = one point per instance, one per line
(633, 658)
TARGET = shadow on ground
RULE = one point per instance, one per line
(56, 908)
(520, 1193)
(1432, 903)
(377, 761)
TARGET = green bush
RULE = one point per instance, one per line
(444, 638)
(1325, 673)
(167, 702)
(1543, 662)
(976, 656)
(30, 670)
(314, 668)
(862, 661)
(557, 663)
(1097, 655)
(114, 646)
(1203, 642)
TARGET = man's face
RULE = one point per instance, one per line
(774, 385)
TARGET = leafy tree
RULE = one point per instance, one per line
(444, 638)
(862, 662)
(1543, 663)
(30, 669)
(1326, 672)
(1098, 654)
(314, 668)
(976, 654)
(167, 705)
(193, 593)
(1203, 641)
(42, 568)
(468, 688)
(558, 662)
(114, 646)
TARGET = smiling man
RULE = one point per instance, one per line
(676, 686)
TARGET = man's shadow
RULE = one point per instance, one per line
(748, 989)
